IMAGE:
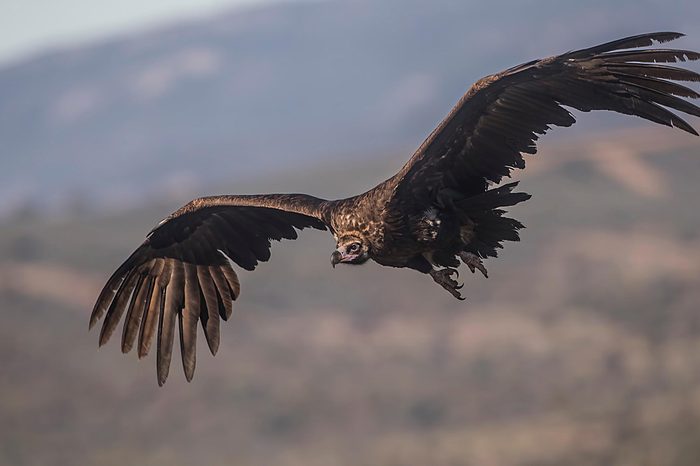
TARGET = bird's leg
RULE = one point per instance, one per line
(473, 262)
(442, 277)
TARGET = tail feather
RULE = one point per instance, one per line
(491, 228)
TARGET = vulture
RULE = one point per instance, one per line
(444, 206)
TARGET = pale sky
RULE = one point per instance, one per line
(29, 26)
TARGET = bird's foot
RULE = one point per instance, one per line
(442, 277)
(473, 262)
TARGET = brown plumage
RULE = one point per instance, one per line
(439, 208)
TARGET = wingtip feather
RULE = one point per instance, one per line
(665, 36)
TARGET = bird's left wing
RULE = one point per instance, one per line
(183, 270)
(501, 116)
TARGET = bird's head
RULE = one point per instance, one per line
(351, 249)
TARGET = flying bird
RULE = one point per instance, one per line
(444, 206)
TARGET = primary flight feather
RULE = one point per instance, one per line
(440, 208)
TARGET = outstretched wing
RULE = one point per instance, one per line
(183, 270)
(501, 116)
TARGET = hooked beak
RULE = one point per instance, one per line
(336, 258)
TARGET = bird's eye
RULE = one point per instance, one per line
(354, 247)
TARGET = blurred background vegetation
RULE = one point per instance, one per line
(582, 348)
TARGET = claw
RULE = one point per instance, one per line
(442, 277)
(473, 262)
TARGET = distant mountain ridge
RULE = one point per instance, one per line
(256, 90)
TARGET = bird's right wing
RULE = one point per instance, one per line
(183, 270)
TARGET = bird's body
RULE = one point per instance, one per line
(444, 205)
(420, 236)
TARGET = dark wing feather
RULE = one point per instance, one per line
(182, 272)
(501, 116)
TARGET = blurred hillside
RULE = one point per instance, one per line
(582, 348)
(309, 82)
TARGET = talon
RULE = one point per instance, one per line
(473, 262)
(442, 277)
